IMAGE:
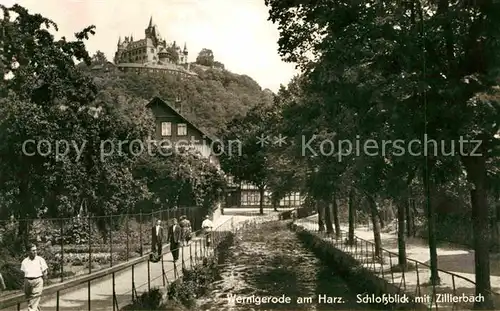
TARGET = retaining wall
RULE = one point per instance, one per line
(354, 274)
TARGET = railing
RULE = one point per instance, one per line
(118, 287)
(414, 280)
(76, 246)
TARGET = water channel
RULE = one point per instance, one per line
(270, 261)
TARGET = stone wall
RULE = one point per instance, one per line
(356, 276)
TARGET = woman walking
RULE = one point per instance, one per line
(186, 229)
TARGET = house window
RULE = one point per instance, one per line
(166, 129)
(181, 129)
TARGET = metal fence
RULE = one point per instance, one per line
(120, 284)
(414, 280)
(76, 246)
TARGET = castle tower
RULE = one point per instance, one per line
(185, 53)
(151, 32)
(163, 55)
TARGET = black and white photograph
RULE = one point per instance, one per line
(216, 155)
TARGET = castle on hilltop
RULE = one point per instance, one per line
(152, 54)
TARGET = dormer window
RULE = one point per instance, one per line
(181, 129)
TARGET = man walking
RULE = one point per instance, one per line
(207, 225)
(157, 238)
(35, 270)
(174, 237)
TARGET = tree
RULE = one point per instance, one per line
(99, 58)
(174, 54)
(253, 134)
(205, 57)
(47, 98)
(389, 79)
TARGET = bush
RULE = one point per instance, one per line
(152, 300)
(193, 284)
(12, 275)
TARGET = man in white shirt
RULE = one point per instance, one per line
(207, 225)
(35, 270)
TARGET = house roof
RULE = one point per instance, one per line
(156, 99)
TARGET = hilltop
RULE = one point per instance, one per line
(210, 99)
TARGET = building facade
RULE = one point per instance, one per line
(152, 54)
(247, 195)
(176, 131)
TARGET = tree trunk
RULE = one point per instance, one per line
(408, 216)
(336, 221)
(262, 191)
(321, 215)
(380, 217)
(376, 225)
(431, 225)
(497, 224)
(402, 207)
(476, 171)
(414, 212)
(352, 218)
(328, 216)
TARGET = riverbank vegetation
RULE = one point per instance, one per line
(195, 282)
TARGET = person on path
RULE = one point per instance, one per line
(2, 284)
(207, 226)
(35, 271)
(186, 229)
(174, 236)
(157, 238)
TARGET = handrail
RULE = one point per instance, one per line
(15, 299)
(417, 263)
(73, 284)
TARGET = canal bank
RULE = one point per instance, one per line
(370, 288)
(268, 268)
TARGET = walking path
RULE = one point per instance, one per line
(458, 261)
(101, 290)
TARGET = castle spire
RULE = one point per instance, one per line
(131, 38)
(151, 22)
(119, 40)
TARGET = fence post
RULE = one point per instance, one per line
(128, 232)
(133, 283)
(140, 233)
(111, 240)
(62, 249)
(149, 276)
(90, 247)
(88, 295)
(114, 293)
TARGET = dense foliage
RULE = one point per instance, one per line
(376, 76)
(85, 114)
(210, 99)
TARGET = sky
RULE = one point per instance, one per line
(236, 31)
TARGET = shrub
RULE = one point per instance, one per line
(151, 300)
(193, 284)
(12, 275)
(64, 274)
(94, 266)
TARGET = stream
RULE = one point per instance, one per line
(269, 269)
